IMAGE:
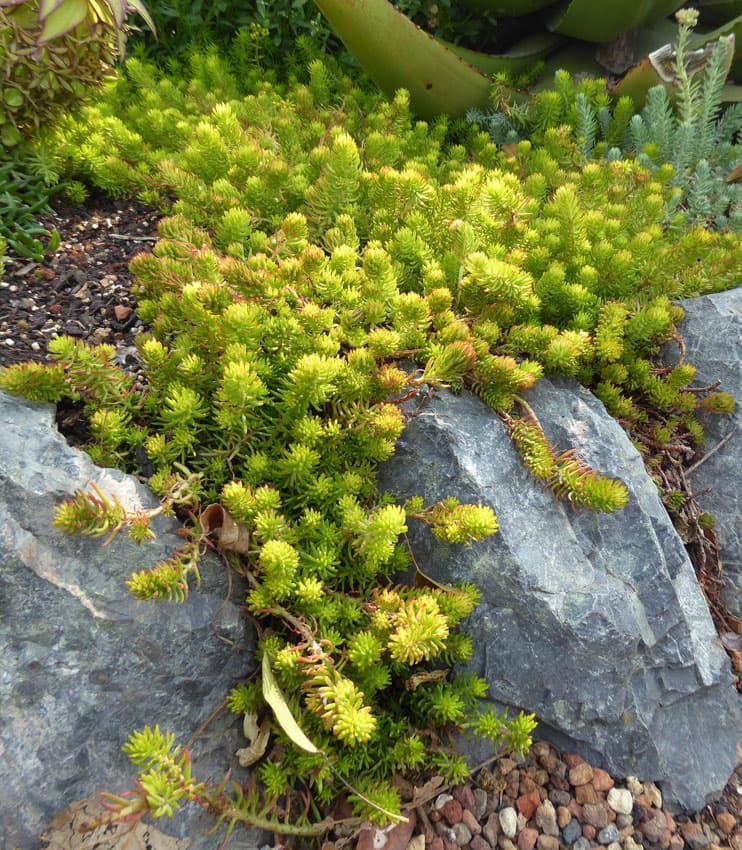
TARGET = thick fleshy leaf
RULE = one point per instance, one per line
(46, 7)
(64, 19)
(607, 20)
(508, 8)
(731, 27)
(397, 54)
(521, 56)
(657, 69)
(653, 36)
(139, 7)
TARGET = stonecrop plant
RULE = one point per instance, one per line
(326, 257)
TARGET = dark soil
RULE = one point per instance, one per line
(84, 289)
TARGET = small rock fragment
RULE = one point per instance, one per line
(608, 835)
(546, 818)
(620, 800)
(697, 841)
(491, 828)
(633, 784)
(602, 780)
(564, 816)
(596, 814)
(528, 803)
(654, 794)
(508, 821)
(121, 312)
(571, 832)
(464, 795)
(470, 822)
(462, 833)
(441, 799)
(547, 842)
(654, 827)
(452, 811)
(480, 803)
(624, 821)
(580, 774)
(527, 838)
(726, 822)
(586, 794)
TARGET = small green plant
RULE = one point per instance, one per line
(264, 32)
(27, 182)
(690, 133)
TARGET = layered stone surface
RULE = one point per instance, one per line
(83, 662)
(595, 622)
(712, 335)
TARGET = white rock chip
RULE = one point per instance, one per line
(509, 821)
(620, 800)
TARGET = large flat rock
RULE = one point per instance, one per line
(83, 662)
(712, 334)
(595, 622)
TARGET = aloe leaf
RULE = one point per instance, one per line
(653, 36)
(63, 19)
(657, 69)
(606, 21)
(731, 27)
(573, 57)
(397, 54)
(46, 7)
(520, 57)
(138, 6)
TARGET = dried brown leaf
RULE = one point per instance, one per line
(229, 534)
(68, 831)
(426, 792)
(257, 735)
(735, 175)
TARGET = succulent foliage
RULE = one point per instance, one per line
(52, 55)
(690, 133)
(318, 242)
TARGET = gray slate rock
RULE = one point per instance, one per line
(594, 622)
(712, 333)
(84, 663)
